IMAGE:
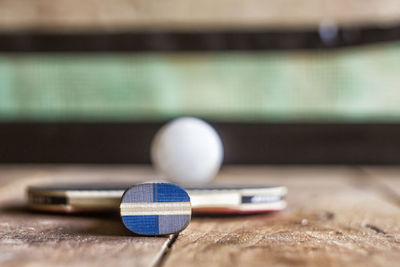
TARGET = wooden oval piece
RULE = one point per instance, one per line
(155, 209)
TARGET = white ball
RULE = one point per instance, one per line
(187, 151)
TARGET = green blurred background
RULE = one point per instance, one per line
(352, 84)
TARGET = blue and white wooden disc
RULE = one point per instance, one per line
(155, 209)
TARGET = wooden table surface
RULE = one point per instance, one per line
(336, 216)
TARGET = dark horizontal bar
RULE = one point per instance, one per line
(165, 41)
(245, 143)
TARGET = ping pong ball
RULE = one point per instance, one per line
(187, 151)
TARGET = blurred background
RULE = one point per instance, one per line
(283, 82)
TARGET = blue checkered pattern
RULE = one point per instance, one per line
(155, 209)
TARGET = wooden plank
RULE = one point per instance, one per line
(348, 222)
(47, 239)
(130, 14)
(389, 176)
(11, 173)
(387, 180)
(334, 219)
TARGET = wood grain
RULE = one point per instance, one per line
(49, 240)
(389, 176)
(36, 239)
(387, 180)
(334, 219)
(178, 14)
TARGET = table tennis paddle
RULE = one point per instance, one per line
(71, 198)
